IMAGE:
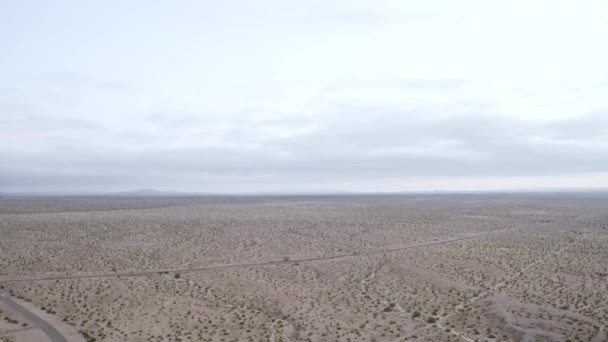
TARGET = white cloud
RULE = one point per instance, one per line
(260, 93)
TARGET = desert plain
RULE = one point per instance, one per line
(459, 267)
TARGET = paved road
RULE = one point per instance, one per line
(48, 329)
(15, 331)
(264, 263)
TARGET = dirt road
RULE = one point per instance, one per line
(263, 263)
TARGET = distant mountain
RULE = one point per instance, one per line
(141, 192)
(600, 192)
(152, 193)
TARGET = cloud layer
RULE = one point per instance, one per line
(353, 97)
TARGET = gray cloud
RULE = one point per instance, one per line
(367, 142)
(264, 95)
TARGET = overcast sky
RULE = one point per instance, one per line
(303, 96)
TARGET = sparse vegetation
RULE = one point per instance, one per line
(391, 268)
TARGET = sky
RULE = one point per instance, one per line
(303, 96)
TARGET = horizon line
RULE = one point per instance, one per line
(172, 193)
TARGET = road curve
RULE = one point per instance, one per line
(263, 263)
(48, 329)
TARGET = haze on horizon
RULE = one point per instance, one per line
(262, 96)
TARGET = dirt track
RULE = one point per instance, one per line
(254, 264)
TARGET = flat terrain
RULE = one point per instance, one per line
(312, 268)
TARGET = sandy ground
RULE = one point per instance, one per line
(342, 268)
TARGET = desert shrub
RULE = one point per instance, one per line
(390, 307)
